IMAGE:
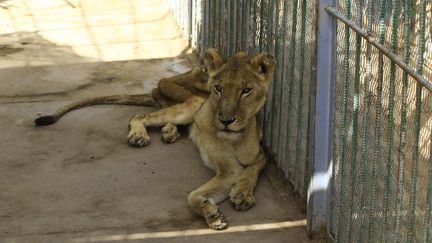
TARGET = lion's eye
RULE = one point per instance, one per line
(246, 90)
(218, 88)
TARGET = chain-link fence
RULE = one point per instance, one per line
(383, 121)
(380, 111)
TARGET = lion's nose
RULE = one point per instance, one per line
(226, 122)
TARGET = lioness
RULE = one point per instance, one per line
(224, 126)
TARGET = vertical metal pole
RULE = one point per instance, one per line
(203, 25)
(319, 191)
(190, 19)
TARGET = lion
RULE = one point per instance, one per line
(220, 103)
(224, 127)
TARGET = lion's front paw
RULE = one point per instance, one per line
(138, 139)
(138, 136)
(242, 195)
(216, 221)
(170, 133)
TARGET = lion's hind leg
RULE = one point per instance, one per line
(180, 114)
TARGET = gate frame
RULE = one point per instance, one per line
(321, 172)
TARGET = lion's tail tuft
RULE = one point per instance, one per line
(45, 120)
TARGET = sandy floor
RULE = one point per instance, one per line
(78, 180)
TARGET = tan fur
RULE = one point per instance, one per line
(170, 91)
(225, 129)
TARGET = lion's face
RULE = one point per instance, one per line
(238, 88)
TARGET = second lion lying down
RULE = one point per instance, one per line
(224, 127)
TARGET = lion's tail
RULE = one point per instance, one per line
(140, 100)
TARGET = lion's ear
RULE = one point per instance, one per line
(264, 65)
(213, 60)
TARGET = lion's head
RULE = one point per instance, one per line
(238, 88)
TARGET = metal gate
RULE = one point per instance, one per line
(349, 113)
(383, 121)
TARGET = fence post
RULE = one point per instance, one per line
(319, 191)
(189, 23)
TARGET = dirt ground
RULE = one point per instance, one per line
(78, 180)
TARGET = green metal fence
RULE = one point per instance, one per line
(364, 82)
(383, 120)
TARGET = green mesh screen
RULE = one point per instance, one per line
(382, 141)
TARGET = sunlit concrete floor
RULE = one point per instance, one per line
(78, 180)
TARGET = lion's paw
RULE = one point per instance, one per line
(170, 133)
(138, 138)
(242, 196)
(216, 221)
